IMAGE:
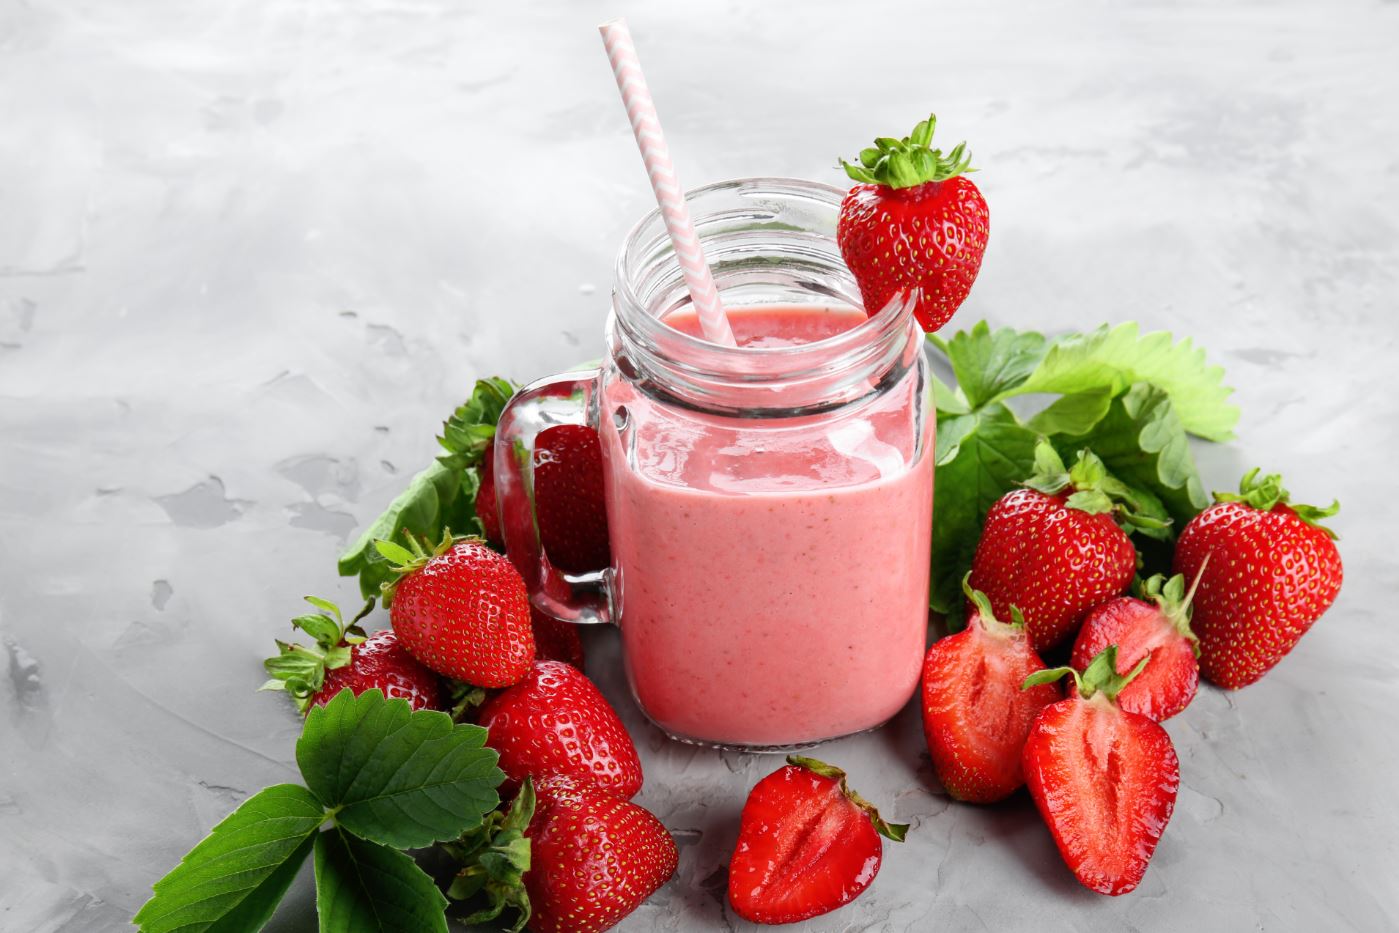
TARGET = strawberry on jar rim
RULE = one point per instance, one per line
(461, 609)
(1273, 570)
(345, 658)
(1155, 627)
(916, 224)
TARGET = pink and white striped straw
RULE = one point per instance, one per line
(646, 126)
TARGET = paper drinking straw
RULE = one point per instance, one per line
(641, 110)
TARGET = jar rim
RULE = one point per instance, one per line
(635, 316)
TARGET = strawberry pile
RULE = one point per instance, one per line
(414, 733)
(1057, 559)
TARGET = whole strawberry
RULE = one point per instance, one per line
(1273, 571)
(485, 505)
(461, 610)
(807, 844)
(567, 856)
(1104, 779)
(917, 222)
(555, 639)
(1054, 549)
(346, 658)
(975, 716)
(556, 722)
(568, 498)
(1157, 627)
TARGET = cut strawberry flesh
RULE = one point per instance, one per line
(975, 715)
(804, 849)
(1105, 781)
(1170, 679)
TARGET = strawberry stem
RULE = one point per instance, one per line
(1100, 676)
(1094, 489)
(894, 831)
(1266, 493)
(909, 162)
(986, 616)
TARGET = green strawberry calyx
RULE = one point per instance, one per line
(1100, 676)
(1266, 493)
(909, 162)
(987, 617)
(405, 561)
(1174, 600)
(894, 831)
(1094, 489)
(300, 670)
(493, 859)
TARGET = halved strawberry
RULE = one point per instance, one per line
(975, 716)
(807, 844)
(1104, 779)
(1157, 627)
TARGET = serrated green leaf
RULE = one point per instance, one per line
(989, 365)
(1072, 414)
(1119, 356)
(431, 503)
(395, 776)
(1143, 443)
(364, 887)
(233, 880)
(469, 430)
(991, 459)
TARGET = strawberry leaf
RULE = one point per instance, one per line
(991, 365)
(394, 776)
(993, 453)
(1143, 443)
(1119, 356)
(1073, 414)
(364, 886)
(234, 879)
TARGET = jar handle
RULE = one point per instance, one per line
(567, 398)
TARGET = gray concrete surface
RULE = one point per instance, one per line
(252, 253)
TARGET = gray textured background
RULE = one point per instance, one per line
(251, 253)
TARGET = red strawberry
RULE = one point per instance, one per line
(461, 610)
(345, 658)
(594, 858)
(568, 498)
(556, 722)
(1157, 627)
(916, 223)
(555, 639)
(574, 859)
(1273, 571)
(1104, 779)
(1053, 550)
(975, 716)
(485, 504)
(807, 844)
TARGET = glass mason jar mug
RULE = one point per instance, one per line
(769, 505)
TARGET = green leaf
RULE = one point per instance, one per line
(1143, 443)
(364, 887)
(1072, 414)
(1119, 356)
(432, 502)
(991, 365)
(468, 432)
(990, 459)
(392, 775)
(233, 880)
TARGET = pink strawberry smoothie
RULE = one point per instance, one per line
(773, 574)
